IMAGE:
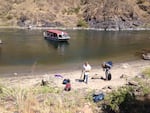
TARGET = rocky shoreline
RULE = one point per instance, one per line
(74, 28)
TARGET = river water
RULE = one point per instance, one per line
(26, 51)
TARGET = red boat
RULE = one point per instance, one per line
(56, 35)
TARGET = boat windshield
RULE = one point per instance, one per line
(65, 35)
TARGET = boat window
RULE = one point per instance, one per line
(60, 36)
(55, 35)
(48, 34)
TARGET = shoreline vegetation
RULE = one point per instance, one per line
(24, 94)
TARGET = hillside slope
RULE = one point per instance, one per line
(102, 14)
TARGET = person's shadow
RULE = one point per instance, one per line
(98, 77)
(79, 80)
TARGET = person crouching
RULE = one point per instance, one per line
(68, 86)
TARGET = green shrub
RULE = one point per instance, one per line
(120, 98)
(82, 23)
(84, 2)
(76, 10)
(9, 17)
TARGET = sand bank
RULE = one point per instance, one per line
(130, 69)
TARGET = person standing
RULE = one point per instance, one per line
(106, 67)
(86, 70)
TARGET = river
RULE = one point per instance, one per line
(26, 51)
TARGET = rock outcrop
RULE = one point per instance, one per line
(100, 14)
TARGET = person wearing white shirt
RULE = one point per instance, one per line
(86, 70)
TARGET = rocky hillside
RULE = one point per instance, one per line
(102, 14)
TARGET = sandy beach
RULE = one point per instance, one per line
(128, 69)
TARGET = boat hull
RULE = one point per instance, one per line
(56, 39)
(56, 35)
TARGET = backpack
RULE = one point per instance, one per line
(65, 81)
(109, 76)
(98, 97)
(109, 64)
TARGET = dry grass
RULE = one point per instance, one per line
(41, 99)
(67, 12)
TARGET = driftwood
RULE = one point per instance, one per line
(132, 83)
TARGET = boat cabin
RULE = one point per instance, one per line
(56, 35)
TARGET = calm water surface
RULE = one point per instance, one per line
(27, 51)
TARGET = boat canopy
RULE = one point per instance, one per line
(57, 32)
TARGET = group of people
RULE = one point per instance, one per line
(87, 68)
(86, 71)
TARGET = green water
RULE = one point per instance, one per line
(26, 50)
